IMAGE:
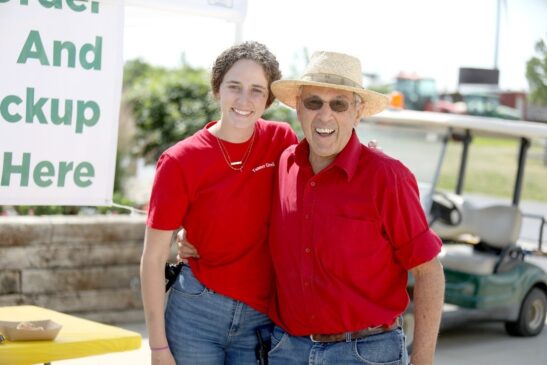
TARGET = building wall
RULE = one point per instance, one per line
(537, 113)
(87, 266)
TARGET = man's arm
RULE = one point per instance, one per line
(428, 306)
(185, 249)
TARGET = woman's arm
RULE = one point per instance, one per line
(154, 256)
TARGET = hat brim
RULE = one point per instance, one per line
(287, 91)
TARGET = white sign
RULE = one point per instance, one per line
(60, 86)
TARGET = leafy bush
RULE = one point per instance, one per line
(168, 106)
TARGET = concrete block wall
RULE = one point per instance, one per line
(87, 266)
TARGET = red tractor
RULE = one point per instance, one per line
(420, 93)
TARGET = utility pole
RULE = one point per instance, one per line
(496, 47)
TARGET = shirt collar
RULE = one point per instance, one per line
(346, 160)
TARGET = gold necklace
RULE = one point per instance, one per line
(236, 165)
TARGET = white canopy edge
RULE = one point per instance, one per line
(230, 10)
(476, 125)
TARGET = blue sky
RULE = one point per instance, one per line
(431, 37)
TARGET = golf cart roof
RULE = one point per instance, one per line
(477, 125)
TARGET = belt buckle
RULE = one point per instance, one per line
(313, 340)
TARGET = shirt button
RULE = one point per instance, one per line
(308, 250)
(307, 216)
(306, 283)
(312, 184)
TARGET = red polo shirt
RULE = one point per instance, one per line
(343, 240)
(225, 212)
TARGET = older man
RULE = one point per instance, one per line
(347, 226)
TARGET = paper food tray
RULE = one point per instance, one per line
(49, 332)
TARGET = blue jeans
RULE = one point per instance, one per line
(207, 328)
(387, 348)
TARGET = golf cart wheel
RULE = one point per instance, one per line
(531, 317)
(408, 327)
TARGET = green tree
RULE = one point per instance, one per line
(168, 105)
(282, 113)
(135, 70)
(536, 73)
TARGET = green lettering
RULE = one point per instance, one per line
(57, 4)
(33, 40)
(75, 7)
(43, 169)
(35, 109)
(95, 7)
(64, 168)
(58, 48)
(4, 108)
(4, 1)
(14, 169)
(83, 170)
(55, 117)
(81, 120)
(96, 52)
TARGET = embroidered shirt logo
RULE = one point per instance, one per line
(262, 167)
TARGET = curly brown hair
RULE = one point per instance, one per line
(250, 50)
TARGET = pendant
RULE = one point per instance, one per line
(236, 163)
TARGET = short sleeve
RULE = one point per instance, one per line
(405, 223)
(169, 198)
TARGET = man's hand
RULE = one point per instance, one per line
(185, 249)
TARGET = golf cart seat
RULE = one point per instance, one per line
(464, 258)
(496, 229)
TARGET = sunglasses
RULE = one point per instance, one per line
(316, 103)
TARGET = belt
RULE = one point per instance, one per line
(348, 336)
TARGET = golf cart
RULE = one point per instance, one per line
(491, 274)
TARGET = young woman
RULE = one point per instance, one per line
(217, 184)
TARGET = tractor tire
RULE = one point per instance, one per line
(531, 316)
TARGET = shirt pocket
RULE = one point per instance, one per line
(354, 209)
(348, 244)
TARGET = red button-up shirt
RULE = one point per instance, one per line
(343, 240)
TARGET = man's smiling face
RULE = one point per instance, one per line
(326, 130)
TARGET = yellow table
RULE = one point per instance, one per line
(78, 338)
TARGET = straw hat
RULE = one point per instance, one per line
(335, 71)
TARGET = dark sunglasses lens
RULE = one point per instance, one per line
(313, 103)
(339, 105)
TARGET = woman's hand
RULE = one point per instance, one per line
(162, 357)
(374, 145)
(185, 249)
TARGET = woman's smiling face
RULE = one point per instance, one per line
(243, 94)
